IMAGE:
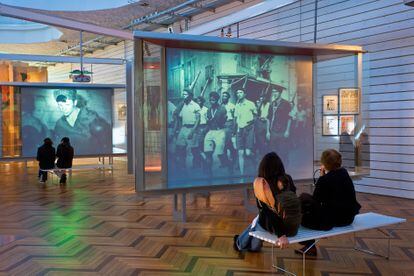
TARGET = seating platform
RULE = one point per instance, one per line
(99, 167)
(361, 222)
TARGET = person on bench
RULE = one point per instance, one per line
(46, 156)
(279, 207)
(333, 202)
(64, 154)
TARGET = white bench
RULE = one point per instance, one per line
(99, 167)
(361, 222)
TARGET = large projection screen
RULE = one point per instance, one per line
(226, 110)
(82, 114)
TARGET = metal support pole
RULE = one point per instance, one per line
(246, 202)
(359, 123)
(81, 51)
(180, 215)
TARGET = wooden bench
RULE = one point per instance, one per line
(99, 167)
(361, 222)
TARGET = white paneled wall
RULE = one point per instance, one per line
(383, 27)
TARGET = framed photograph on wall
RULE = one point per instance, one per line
(329, 125)
(349, 100)
(330, 104)
(346, 124)
(122, 112)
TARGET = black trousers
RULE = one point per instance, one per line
(42, 175)
(313, 217)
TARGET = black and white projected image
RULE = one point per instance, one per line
(227, 110)
(83, 115)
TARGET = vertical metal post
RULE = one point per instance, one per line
(130, 117)
(139, 146)
(314, 115)
(81, 50)
(359, 123)
(315, 30)
(164, 119)
(184, 208)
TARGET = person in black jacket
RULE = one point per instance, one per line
(272, 187)
(46, 156)
(333, 202)
(64, 154)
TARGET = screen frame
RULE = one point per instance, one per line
(48, 85)
(164, 128)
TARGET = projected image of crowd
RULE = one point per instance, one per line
(225, 112)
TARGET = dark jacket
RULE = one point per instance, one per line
(273, 222)
(335, 193)
(64, 154)
(46, 156)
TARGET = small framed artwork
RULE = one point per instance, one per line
(349, 100)
(330, 104)
(346, 124)
(330, 125)
(122, 112)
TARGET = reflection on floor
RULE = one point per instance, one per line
(99, 226)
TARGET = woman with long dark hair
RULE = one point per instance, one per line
(279, 207)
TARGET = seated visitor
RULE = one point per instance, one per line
(279, 207)
(333, 202)
(46, 157)
(64, 154)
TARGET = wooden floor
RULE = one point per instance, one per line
(96, 226)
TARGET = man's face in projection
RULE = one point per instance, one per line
(275, 95)
(67, 106)
(225, 98)
(240, 94)
(213, 100)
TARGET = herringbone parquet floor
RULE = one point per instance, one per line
(96, 226)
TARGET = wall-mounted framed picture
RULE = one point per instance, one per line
(330, 104)
(122, 112)
(330, 125)
(348, 100)
(346, 124)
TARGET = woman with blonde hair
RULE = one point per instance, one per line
(333, 202)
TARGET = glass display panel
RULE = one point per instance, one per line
(83, 115)
(227, 110)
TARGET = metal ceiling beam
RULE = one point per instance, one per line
(143, 19)
(24, 14)
(61, 59)
(161, 19)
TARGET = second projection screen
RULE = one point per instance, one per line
(82, 115)
(227, 110)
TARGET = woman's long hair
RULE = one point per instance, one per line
(271, 168)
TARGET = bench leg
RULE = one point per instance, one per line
(303, 261)
(278, 267)
(389, 235)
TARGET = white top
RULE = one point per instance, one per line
(230, 110)
(244, 113)
(203, 115)
(188, 113)
(171, 108)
